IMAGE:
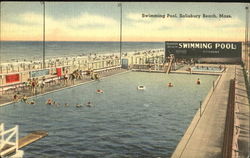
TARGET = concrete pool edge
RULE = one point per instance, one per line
(72, 86)
(188, 133)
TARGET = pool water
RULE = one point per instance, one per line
(208, 69)
(124, 122)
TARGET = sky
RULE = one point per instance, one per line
(100, 21)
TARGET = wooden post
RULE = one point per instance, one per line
(200, 108)
(213, 86)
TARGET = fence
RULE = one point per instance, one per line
(229, 124)
(7, 144)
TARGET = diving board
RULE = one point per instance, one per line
(8, 146)
(32, 137)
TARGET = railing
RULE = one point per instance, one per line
(170, 64)
(7, 144)
(229, 124)
(81, 63)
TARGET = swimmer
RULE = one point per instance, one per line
(49, 101)
(66, 104)
(170, 84)
(24, 99)
(198, 81)
(78, 105)
(89, 104)
(31, 102)
(99, 91)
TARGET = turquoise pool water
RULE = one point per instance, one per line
(124, 122)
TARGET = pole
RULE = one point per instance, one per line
(0, 34)
(200, 108)
(120, 5)
(43, 34)
(246, 43)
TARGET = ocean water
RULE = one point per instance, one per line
(12, 50)
(124, 122)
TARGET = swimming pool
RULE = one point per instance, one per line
(207, 69)
(124, 122)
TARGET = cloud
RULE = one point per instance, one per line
(188, 28)
(30, 18)
(87, 19)
(82, 27)
(134, 16)
(88, 26)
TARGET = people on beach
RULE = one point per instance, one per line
(198, 81)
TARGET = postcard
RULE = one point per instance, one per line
(124, 79)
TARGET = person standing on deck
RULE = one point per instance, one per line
(33, 84)
(36, 85)
(66, 77)
(42, 85)
(15, 98)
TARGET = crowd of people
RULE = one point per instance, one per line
(27, 100)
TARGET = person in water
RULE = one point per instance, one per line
(49, 101)
(31, 102)
(25, 98)
(78, 105)
(99, 91)
(198, 81)
(89, 104)
(170, 84)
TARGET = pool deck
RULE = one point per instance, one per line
(7, 98)
(204, 136)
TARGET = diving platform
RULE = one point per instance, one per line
(169, 64)
(32, 137)
(10, 142)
